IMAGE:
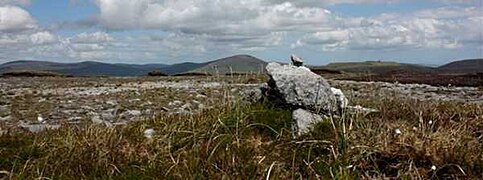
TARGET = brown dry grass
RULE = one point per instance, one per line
(253, 141)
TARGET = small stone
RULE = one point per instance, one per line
(200, 96)
(342, 101)
(303, 122)
(4, 109)
(111, 102)
(75, 118)
(109, 115)
(149, 133)
(186, 107)
(134, 113)
(37, 128)
(7, 118)
(96, 119)
(40, 119)
(360, 109)
(397, 131)
(296, 61)
(252, 95)
(175, 103)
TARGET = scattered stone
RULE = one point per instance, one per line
(186, 107)
(37, 128)
(134, 113)
(360, 109)
(175, 103)
(200, 96)
(75, 118)
(252, 95)
(6, 118)
(96, 119)
(111, 102)
(4, 109)
(109, 115)
(40, 119)
(303, 121)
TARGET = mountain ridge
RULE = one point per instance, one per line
(93, 68)
(463, 66)
(233, 64)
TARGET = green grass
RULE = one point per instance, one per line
(253, 141)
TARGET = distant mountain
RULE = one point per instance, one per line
(31, 66)
(87, 68)
(463, 67)
(233, 64)
(181, 68)
(378, 67)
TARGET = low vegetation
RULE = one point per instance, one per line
(406, 139)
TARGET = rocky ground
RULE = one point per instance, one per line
(413, 91)
(33, 104)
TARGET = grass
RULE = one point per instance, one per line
(254, 141)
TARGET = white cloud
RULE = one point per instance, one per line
(324, 3)
(330, 40)
(447, 28)
(89, 46)
(13, 18)
(468, 2)
(43, 37)
(208, 16)
(96, 37)
(204, 25)
(18, 2)
(200, 27)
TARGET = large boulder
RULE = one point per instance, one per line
(299, 87)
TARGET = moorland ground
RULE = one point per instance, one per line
(205, 129)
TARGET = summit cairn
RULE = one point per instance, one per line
(309, 95)
(296, 61)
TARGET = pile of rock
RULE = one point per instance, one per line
(309, 95)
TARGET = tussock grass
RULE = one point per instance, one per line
(253, 141)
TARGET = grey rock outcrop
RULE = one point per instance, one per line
(300, 88)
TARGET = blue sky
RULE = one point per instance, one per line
(173, 31)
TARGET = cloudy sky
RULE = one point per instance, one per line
(171, 31)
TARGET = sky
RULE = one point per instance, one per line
(430, 32)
